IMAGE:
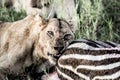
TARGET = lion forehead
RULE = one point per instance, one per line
(59, 24)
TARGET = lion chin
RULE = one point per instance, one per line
(53, 57)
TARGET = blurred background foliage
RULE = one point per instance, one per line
(97, 19)
(10, 15)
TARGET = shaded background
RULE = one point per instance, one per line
(95, 19)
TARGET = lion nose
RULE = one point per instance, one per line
(58, 48)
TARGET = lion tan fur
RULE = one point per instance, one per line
(31, 40)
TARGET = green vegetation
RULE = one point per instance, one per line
(10, 15)
(98, 19)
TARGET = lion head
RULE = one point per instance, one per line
(54, 36)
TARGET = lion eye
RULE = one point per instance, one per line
(67, 37)
(50, 34)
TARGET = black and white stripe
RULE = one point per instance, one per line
(90, 60)
(90, 44)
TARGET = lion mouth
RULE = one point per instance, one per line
(56, 56)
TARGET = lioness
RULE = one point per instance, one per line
(31, 40)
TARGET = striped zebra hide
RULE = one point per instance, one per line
(90, 60)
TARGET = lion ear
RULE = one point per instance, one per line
(42, 22)
(38, 18)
